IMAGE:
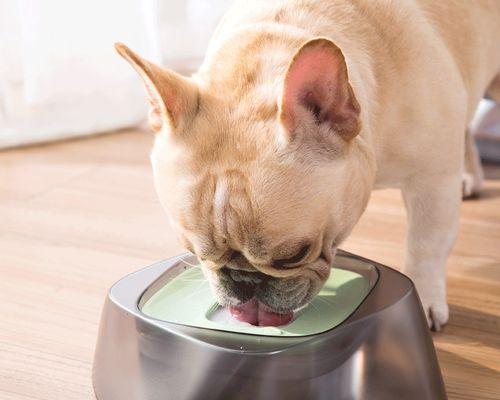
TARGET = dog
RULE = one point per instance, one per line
(265, 158)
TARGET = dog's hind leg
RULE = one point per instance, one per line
(493, 91)
(473, 176)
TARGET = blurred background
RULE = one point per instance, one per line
(60, 75)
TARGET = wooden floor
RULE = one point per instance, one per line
(77, 216)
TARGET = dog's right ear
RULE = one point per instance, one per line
(317, 87)
(173, 98)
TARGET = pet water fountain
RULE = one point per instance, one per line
(364, 337)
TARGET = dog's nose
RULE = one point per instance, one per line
(241, 270)
(239, 262)
(250, 277)
(235, 254)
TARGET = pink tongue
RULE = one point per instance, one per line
(246, 312)
(256, 313)
(267, 317)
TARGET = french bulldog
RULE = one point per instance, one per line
(265, 158)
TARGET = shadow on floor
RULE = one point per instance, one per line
(491, 170)
(467, 323)
(482, 382)
(487, 193)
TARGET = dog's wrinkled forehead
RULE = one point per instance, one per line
(227, 203)
(234, 208)
(220, 212)
(217, 202)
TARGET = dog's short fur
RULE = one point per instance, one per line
(265, 158)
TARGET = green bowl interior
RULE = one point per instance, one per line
(187, 299)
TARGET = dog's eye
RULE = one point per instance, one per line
(294, 259)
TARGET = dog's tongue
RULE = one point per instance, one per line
(246, 312)
(256, 313)
(267, 317)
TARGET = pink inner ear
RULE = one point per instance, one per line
(312, 78)
(314, 71)
(317, 81)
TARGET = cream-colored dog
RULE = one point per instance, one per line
(265, 158)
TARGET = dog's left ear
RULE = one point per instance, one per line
(317, 88)
(173, 98)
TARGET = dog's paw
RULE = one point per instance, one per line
(435, 307)
(436, 312)
(432, 293)
(471, 185)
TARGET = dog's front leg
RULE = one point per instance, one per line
(433, 212)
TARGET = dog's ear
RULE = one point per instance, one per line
(316, 87)
(173, 98)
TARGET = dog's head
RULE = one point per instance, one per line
(261, 185)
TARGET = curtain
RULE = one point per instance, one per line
(185, 30)
(60, 75)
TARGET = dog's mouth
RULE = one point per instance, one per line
(259, 299)
(257, 313)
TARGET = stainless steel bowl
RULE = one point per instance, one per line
(383, 350)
